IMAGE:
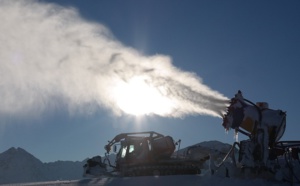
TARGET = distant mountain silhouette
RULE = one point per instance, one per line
(17, 165)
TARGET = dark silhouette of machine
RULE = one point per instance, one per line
(146, 153)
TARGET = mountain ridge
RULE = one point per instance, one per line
(17, 165)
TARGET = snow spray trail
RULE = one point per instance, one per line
(50, 57)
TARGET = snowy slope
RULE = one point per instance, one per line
(179, 180)
(205, 147)
(205, 150)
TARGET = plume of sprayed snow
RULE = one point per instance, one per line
(50, 57)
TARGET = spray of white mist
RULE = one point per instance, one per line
(50, 57)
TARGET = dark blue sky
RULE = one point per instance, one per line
(253, 46)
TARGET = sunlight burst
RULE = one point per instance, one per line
(137, 97)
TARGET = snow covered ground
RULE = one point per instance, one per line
(187, 180)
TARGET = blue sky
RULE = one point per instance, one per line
(253, 46)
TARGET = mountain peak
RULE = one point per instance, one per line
(17, 154)
(16, 150)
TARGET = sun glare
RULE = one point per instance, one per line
(138, 98)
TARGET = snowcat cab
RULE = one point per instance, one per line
(141, 148)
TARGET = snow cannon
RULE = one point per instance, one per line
(262, 151)
(248, 118)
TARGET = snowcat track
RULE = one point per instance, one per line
(160, 170)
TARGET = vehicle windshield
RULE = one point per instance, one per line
(123, 151)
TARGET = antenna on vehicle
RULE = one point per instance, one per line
(178, 143)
